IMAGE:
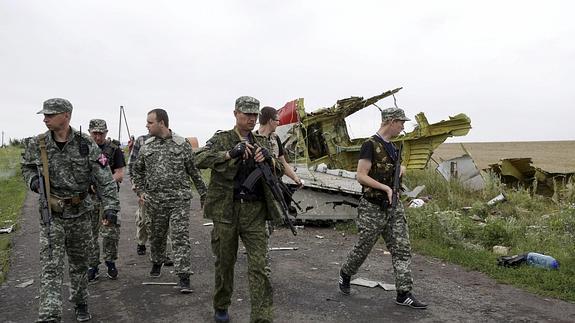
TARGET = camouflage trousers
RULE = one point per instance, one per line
(249, 225)
(143, 229)
(172, 219)
(110, 238)
(373, 222)
(67, 237)
(142, 225)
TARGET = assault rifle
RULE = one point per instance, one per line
(281, 192)
(396, 178)
(45, 211)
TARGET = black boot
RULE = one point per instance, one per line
(93, 274)
(156, 270)
(112, 271)
(221, 316)
(184, 284)
(82, 313)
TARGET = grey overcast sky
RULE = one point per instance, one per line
(509, 65)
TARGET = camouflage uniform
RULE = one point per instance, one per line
(376, 218)
(162, 171)
(71, 170)
(110, 233)
(234, 219)
(142, 222)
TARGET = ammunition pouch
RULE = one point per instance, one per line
(59, 203)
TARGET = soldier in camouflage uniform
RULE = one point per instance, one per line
(143, 221)
(162, 181)
(375, 172)
(112, 155)
(238, 212)
(72, 166)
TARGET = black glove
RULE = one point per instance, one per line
(35, 184)
(266, 154)
(238, 150)
(111, 216)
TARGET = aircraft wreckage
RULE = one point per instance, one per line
(325, 157)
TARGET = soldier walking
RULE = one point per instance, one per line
(161, 180)
(375, 172)
(142, 220)
(238, 212)
(112, 156)
(68, 162)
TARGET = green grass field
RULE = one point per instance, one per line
(12, 193)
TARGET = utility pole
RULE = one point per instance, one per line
(123, 116)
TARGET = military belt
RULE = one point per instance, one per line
(58, 203)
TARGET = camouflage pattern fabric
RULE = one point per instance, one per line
(164, 168)
(382, 167)
(135, 152)
(71, 173)
(171, 220)
(220, 196)
(373, 222)
(275, 149)
(68, 237)
(110, 238)
(162, 172)
(142, 223)
(234, 220)
(249, 225)
(110, 233)
(393, 114)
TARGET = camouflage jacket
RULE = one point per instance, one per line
(382, 169)
(218, 206)
(163, 170)
(135, 152)
(71, 172)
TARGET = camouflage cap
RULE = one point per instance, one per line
(248, 104)
(97, 125)
(55, 106)
(393, 114)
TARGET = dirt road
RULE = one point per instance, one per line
(304, 281)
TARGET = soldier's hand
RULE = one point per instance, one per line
(110, 217)
(388, 191)
(262, 154)
(238, 150)
(35, 184)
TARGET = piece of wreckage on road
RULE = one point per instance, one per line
(325, 157)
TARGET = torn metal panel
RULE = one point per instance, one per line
(327, 194)
(425, 138)
(464, 170)
(520, 172)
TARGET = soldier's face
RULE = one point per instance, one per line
(274, 122)
(245, 121)
(99, 137)
(56, 122)
(397, 127)
(154, 127)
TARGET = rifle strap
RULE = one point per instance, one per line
(45, 170)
